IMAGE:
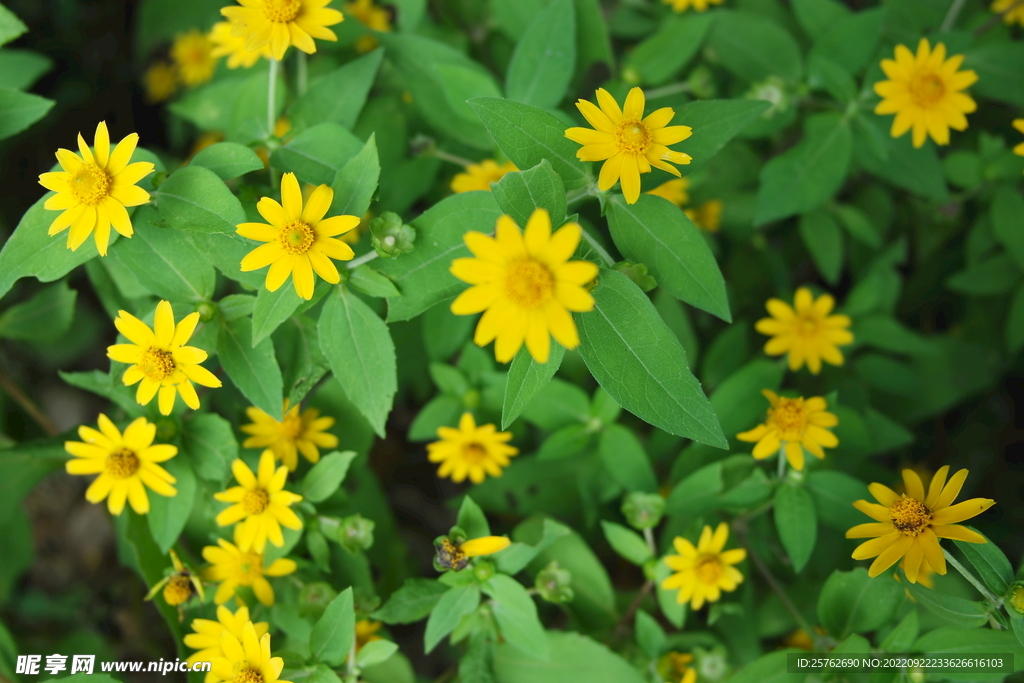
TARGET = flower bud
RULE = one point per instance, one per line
(1015, 599)
(771, 90)
(207, 311)
(637, 272)
(355, 533)
(483, 570)
(643, 510)
(552, 583)
(314, 598)
(390, 236)
(702, 83)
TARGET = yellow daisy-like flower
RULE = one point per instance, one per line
(628, 143)
(674, 190)
(247, 659)
(127, 464)
(1015, 13)
(226, 44)
(1019, 125)
(160, 361)
(471, 451)
(206, 635)
(526, 284)
(809, 334)
(366, 632)
(447, 555)
(698, 5)
(702, 573)
(294, 434)
(299, 241)
(181, 585)
(480, 176)
(372, 17)
(281, 23)
(677, 667)
(910, 525)
(793, 425)
(924, 93)
(160, 82)
(233, 567)
(192, 53)
(261, 505)
(707, 216)
(94, 188)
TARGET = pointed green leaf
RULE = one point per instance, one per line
(545, 57)
(253, 369)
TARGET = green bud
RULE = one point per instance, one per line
(207, 311)
(631, 76)
(711, 665)
(637, 272)
(166, 429)
(702, 83)
(483, 570)
(314, 598)
(772, 89)
(390, 236)
(916, 675)
(1015, 599)
(355, 533)
(471, 399)
(552, 583)
(456, 535)
(643, 510)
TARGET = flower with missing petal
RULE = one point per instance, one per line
(793, 425)
(94, 188)
(923, 91)
(704, 571)
(227, 44)
(480, 176)
(471, 451)
(674, 190)
(192, 53)
(282, 23)
(910, 525)
(206, 635)
(299, 241)
(261, 505)
(181, 585)
(627, 142)
(160, 82)
(233, 567)
(160, 361)
(126, 463)
(297, 433)
(808, 334)
(247, 659)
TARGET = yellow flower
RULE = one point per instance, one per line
(281, 23)
(159, 359)
(471, 451)
(247, 659)
(526, 284)
(372, 17)
(226, 44)
(1019, 125)
(702, 573)
(233, 567)
(911, 525)
(676, 667)
(127, 464)
(674, 190)
(809, 334)
(699, 5)
(1015, 13)
(485, 545)
(205, 140)
(192, 53)
(366, 632)
(295, 433)
(261, 505)
(298, 241)
(480, 176)
(181, 585)
(630, 143)
(707, 216)
(160, 81)
(207, 633)
(94, 188)
(795, 425)
(925, 576)
(924, 93)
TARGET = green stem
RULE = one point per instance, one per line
(301, 74)
(777, 587)
(271, 95)
(782, 462)
(972, 579)
(683, 86)
(951, 15)
(649, 537)
(599, 249)
(451, 158)
(365, 258)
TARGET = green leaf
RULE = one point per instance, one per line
(1014, 321)
(834, 493)
(317, 154)
(103, 384)
(519, 194)
(796, 523)
(441, 411)
(44, 317)
(20, 69)
(194, 198)
(852, 602)
(167, 515)
(824, 241)
(339, 96)
(526, 377)
(375, 652)
(21, 467)
(357, 344)
(528, 135)
(453, 605)
(412, 602)
(627, 543)
(165, 261)
(850, 41)
(558, 404)
(917, 170)
(817, 16)
(998, 78)
(332, 635)
(272, 309)
(228, 160)
(1007, 210)
(754, 48)
(994, 275)
(19, 110)
(950, 640)
(513, 559)
(884, 332)
(770, 668)
(593, 44)
(462, 83)
(10, 26)
(714, 123)
(697, 491)
(649, 634)
(565, 443)
(859, 226)
(517, 618)
(210, 107)
(545, 57)
(324, 478)
(656, 233)
(253, 369)
(825, 74)
(478, 662)
(472, 520)
(577, 659)
(624, 457)
(422, 275)
(807, 175)
(991, 564)
(210, 443)
(660, 57)
(637, 359)
(356, 182)
(370, 282)
(902, 637)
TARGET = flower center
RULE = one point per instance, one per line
(632, 137)
(296, 237)
(807, 326)
(122, 464)
(927, 89)
(90, 184)
(247, 675)
(709, 569)
(910, 516)
(177, 590)
(473, 453)
(529, 284)
(789, 417)
(255, 501)
(281, 12)
(291, 426)
(156, 364)
(250, 568)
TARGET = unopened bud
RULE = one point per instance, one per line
(643, 510)
(207, 311)
(702, 83)
(355, 533)
(390, 236)
(314, 598)
(1015, 599)
(483, 570)
(553, 583)
(637, 272)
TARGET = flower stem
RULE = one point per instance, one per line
(649, 537)
(782, 462)
(596, 246)
(951, 15)
(33, 411)
(654, 94)
(301, 74)
(451, 158)
(971, 578)
(996, 19)
(365, 258)
(271, 95)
